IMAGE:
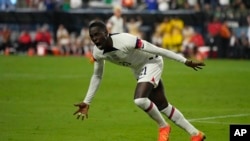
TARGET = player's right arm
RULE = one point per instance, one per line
(95, 81)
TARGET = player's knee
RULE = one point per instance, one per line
(142, 102)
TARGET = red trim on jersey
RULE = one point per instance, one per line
(139, 44)
(153, 79)
(150, 107)
(172, 113)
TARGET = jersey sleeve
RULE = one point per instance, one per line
(133, 42)
(148, 47)
(95, 81)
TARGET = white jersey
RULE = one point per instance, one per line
(132, 52)
(126, 51)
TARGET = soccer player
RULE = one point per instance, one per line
(146, 62)
(115, 23)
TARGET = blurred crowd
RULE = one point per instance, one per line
(160, 5)
(42, 41)
(226, 32)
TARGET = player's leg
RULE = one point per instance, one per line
(148, 78)
(141, 99)
(158, 97)
(143, 89)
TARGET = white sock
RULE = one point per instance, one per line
(177, 117)
(150, 108)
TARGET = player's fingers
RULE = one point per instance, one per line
(202, 64)
(79, 115)
(84, 116)
(77, 105)
(76, 112)
(199, 67)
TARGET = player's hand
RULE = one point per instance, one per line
(82, 111)
(194, 65)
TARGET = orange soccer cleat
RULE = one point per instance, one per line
(164, 133)
(200, 137)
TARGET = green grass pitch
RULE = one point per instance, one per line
(37, 96)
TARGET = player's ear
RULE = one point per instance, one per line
(106, 33)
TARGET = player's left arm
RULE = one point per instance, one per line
(143, 45)
(148, 47)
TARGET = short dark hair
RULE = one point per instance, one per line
(97, 23)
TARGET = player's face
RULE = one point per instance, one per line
(98, 36)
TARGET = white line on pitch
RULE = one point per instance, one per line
(219, 117)
(217, 122)
(214, 122)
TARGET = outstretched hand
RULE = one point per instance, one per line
(82, 111)
(194, 65)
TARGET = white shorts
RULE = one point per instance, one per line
(150, 72)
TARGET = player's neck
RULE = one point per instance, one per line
(108, 45)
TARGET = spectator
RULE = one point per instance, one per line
(241, 14)
(165, 26)
(151, 5)
(156, 39)
(243, 50)
(248, 27)
(224, 3)
(88, 48)
(171, 31)
(211, 3)
(78, 50)
(48, 39)
(5, 36)
(7, 4)
(177, 22)
(115, 23)
(208, 12)
(63, 40)
(86, 43)
(187, 46)
(225, 35)
(167, 40)
(213, 48)
(133, 26)
(39, 37)
(213, 29)
(42, 38)
(50, 5)
(198, 41)
(233, 46)
(218, 13)
(73, 44)
(173, 40)
(192, 3)
(129, 3)
(177, 39)
(24, 42)
(236, 4)
(163, 5)
(75, 4)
